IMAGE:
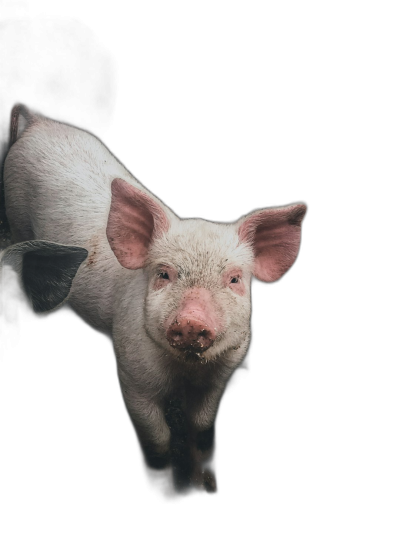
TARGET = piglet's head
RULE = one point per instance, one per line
(197, 305)
(134, 221)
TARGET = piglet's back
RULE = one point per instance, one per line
(57, 181)
(61, 175)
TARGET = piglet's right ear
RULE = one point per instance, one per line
(134, 220)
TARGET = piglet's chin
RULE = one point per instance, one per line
(199, 350)
(193, 356)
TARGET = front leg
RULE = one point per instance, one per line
(203, 444)
(147, 416)
(202, 410)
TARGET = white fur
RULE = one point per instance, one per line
(57, 188)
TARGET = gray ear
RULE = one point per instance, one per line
(46, 269)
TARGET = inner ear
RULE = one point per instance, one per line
(275, 237)
(134, 220)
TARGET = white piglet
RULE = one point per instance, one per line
(174, 293)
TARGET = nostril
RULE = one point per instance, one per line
(204, 334)
(205, 338)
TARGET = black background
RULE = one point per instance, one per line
(217, 114)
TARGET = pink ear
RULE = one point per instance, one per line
(134, 220)
(275, 237)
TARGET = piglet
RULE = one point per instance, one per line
(174, 293)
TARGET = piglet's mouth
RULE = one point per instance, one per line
(192, 355)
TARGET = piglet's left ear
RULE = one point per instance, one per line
(275, 237)
(47, 270)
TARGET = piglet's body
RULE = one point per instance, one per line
(175, 294)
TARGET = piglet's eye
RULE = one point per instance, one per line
(235, 279)
(163, 275)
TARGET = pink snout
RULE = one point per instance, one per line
(194, 326)
(190, 334)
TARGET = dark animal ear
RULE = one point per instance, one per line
(46, 269)
(275, 237)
